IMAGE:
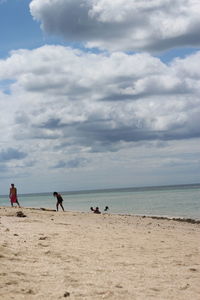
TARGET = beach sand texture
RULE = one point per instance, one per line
(58, 255)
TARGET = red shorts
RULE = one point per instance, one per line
(13, 199)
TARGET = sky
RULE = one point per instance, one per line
(99, 94)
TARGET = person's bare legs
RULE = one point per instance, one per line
(62, 206)
(57, 205)
(18, 203)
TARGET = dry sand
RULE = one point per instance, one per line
(57, 255)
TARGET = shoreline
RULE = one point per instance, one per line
(157, 217)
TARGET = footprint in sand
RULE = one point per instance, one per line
(29, 291)
(43, 245)
(155, 289)
(185, 287)
(193, 269)
(43, 238)
(11, 282)
(19, 273)
(119, 286)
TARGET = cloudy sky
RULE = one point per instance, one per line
(99, 93)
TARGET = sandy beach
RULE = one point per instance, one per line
(73, 255)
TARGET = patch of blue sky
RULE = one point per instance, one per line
(171, 54)
(18, 29)
(5, 86)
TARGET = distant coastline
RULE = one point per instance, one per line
(123, 189)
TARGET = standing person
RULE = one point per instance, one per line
(59, 200)
(13, 195)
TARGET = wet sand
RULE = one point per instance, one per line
(56, 255)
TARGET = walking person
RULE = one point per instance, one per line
(13, 195)
(59, 200)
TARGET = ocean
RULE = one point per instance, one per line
(168, 201)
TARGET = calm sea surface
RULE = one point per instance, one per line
(171, 201)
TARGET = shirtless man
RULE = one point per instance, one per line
(13, 195)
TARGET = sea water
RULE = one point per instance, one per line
(169, 201)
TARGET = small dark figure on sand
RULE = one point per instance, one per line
(106, 208)
(13, 195)
(96, 210)
(59, 200)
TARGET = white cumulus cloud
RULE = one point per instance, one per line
(130, 25)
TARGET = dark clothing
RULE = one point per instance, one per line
(59, 198)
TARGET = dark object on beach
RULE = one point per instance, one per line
(47, 209)
(20, 214)
(106, 208)
(66, 294)
(192, 221)
(187, 220)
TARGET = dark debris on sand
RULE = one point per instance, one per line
(20, 214)
(187, 220)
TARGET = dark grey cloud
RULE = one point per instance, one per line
(101, 137)
(52, 123)
(72, 164)
(106, 136)
(11, 154)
